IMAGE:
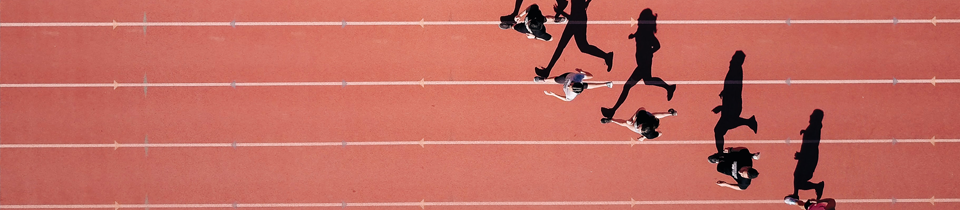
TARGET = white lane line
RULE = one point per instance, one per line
(391, 83)
(398, 143)
(424, 204)
(344, 23)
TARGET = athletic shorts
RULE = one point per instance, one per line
(522, 28)
(561, 79)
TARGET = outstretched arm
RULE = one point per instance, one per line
(564, 98)
(731, 186)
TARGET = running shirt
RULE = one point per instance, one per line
(731, 163)
(569, 79)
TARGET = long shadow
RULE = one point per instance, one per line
(808, 156)
(576, 28)
(647, 44)
(732, 102)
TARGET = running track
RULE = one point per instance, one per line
(431, 176)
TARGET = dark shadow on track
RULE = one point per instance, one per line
(577, 29)
(732, 105)
(809, 156)
(647, 44)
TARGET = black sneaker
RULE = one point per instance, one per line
(605, 120)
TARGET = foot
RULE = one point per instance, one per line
(753, 124)
(559, 20)
(610, 84)
(819, 190)
(756, 156)
(605, 120)
(607, 113)
(670, 90)
(791, 200)
(609, 61)
(542, 72)
(538, 79)
(672, 112)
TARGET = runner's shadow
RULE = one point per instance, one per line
(576, 28)
(732, 102)
(809, 156)
(647, 44)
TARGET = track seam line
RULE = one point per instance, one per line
(399, 143)
(423, 204)
(342, 23)
(423, 83)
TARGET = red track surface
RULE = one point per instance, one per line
(466, 113)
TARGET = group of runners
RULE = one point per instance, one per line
(736, 162)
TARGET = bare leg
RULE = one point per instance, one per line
(592, 85)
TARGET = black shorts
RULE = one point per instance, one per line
(561, 79)
(522, 28)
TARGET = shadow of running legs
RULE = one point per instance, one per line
(647, 44)
(732, 102)
(576, 28)
(809, 156)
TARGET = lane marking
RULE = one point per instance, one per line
(422, 143)
(423, 83)
(422, 23)
(423, 204)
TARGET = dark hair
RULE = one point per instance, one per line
(535, 25)
(752, 173)
(650, 133)
(535, 18)
(578, 87)
(647, 22)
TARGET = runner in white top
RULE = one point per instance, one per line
(573, 84)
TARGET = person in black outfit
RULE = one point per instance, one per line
(532, 22)
(732, 102)
(576, 28)
(737, 163)
(643, 122)
(647, 44)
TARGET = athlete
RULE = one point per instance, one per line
(643, 123)
(573, 84)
